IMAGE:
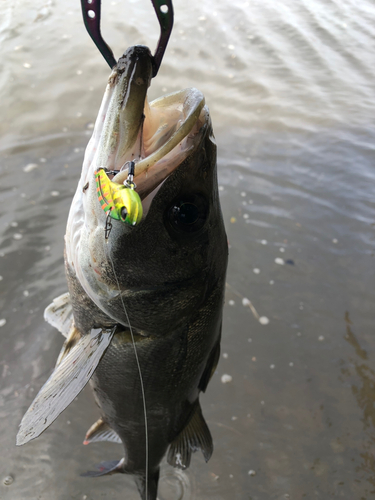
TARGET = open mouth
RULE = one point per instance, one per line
(171, 130)
(156, 136)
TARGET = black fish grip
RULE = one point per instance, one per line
(91, 11)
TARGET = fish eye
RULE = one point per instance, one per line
(188, 214)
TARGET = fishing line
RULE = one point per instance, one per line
(139, 370)
(141, 137)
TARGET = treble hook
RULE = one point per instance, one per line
(164, 12)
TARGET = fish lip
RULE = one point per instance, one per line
(140, 56)
(120, 119)
(131, 56)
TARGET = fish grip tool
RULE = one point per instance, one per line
(91, 11)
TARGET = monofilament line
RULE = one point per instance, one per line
(139, 370)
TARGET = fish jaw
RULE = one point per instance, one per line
(131, 79)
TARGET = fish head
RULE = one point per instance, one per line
(158, 271)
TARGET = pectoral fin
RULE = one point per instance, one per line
(195, 436)
(71, 341)
(65, 383)
(101, 431)
(60, 314)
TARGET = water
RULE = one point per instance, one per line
(291, 90)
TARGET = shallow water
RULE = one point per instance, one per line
(291, 89)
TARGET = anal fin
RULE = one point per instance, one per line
(101, 431)
(195, 436)
(60, 313)
(65, 383)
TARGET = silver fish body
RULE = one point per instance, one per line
(159, 283)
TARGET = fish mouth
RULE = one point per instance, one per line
(171, 130)
(158, 136)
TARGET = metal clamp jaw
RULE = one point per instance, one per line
(91, 17)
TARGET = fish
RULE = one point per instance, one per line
(142, 317)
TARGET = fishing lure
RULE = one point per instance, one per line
(119, 201)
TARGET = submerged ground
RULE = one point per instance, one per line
(291, 91)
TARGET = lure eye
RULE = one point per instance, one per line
(188, 214)
(124, 213)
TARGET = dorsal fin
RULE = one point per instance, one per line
(101, 431)
(195, 436)
(60, 313)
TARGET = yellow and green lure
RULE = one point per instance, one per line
(120, 202)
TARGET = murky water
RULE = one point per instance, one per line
(291, 88)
